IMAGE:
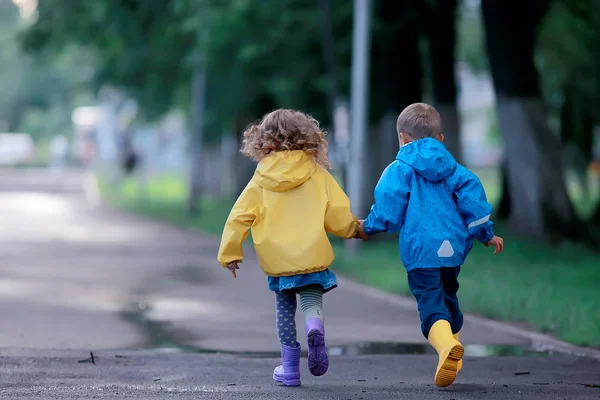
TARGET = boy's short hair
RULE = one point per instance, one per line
(419, 120)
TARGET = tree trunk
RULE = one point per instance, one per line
(329, 55)
(503, 210)
(396, 75)
(440, 26)
(596, 217)
(198, 99)
(540, 206)
(451, 128)
(197, 117)
(596, 104)
(577, 137)
(357, 181)
(334, 99)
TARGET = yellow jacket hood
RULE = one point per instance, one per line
(284, 171)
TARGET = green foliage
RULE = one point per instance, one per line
(151, 49)
(138, 45)
(41, 123)
(251, 53)
(37, 97)
(269, 54)
(273, 50)
(471, 38)
(568, 45)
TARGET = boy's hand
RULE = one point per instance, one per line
(497, 242)
(232, 267)
(361, 230)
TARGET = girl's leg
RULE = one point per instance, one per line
(288, 372)
(311, 304)
(286, 313)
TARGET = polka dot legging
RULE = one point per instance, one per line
(311, 304)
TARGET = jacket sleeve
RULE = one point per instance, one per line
(391, 199)
(339, 220)
(238, 223)
(473, 206)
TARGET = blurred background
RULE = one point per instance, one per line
(150, 98)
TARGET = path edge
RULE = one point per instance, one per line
(538, 341)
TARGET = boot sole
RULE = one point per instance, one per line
(286, 382)
(446, 373)
(318, 359)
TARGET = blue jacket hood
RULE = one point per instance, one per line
(429, 158)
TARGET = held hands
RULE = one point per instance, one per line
(232, 266)
(361, 230)
(497, 242)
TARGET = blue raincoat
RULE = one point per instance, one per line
(436, 204)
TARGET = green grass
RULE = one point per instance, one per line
(552, 289)
(165, 198)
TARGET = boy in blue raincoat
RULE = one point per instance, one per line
(438, 206)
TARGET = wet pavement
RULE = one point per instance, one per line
(152, 375)
(76, 275)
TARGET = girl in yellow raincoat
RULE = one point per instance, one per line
(290, 204)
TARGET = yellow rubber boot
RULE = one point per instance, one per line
(449, 350)
(459, 364)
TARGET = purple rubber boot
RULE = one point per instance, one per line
(318, 360)
(288, 372)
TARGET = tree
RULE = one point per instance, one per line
(269, 57)
(440, 29)
(266, 56)
(37, 98)
(133, 41)
(539, 203)
(567, 41)
(398, 73)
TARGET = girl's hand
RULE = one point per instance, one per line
(232, 267)
(497, 242)
(361, 230)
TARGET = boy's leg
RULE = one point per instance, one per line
(288, 372)
(426, 286)
(311, 304)
(450, 285)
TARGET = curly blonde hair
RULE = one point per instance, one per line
(286, 130)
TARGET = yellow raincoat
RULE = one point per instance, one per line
(290, 203)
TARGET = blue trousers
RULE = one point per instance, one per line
(435, 291)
